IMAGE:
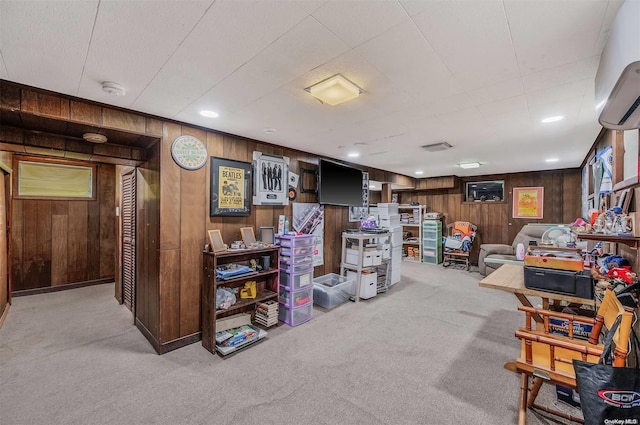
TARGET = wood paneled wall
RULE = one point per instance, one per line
(184, 221)
(61, 242)
(148, 296)
(173, 210)
(562, 204)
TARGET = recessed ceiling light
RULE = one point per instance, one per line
(551, 160)
(209, 114)
(113, 88)
(353, 155)
(269, 130)
(466, 165)
(552, 119)
(419, 172)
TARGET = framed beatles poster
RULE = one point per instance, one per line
(230, 187)
(271, 179)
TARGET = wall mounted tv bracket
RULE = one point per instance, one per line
(313, 173)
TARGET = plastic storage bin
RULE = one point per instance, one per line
(288, 251)
(332, 290)
(290, 298)
(297, 280)
(295, 316)
(295, 241)
(295, 268)
(298, 260)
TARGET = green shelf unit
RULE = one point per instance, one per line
(432, 241)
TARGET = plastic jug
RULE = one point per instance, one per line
(520, 252)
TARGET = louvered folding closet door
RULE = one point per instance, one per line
(129, 240)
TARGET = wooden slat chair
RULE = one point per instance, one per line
(547, 357)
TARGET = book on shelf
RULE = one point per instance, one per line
(267, 323)
(273, 312)
(266, 315)
(224, 350)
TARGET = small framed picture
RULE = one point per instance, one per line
(248, 237)
(271, 179)
(267, 234)
(215, 241)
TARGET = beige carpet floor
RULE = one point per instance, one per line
(429, 351)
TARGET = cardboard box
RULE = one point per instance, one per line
(352, 256)
(368, 283)
(387, 209)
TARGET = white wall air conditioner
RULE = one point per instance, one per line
(618, 77)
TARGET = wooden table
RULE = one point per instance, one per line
(510, 278)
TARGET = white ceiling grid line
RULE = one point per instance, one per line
(479, 74)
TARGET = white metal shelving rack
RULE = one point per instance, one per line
(361, 239)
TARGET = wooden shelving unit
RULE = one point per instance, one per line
(414, 226)
(267, 282)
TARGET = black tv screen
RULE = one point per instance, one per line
(339, 184)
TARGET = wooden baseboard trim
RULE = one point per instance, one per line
(57, 288)
(169, 346)
(5, 311)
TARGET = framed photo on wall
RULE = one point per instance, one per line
(271, 180)
(528, 202)
(230, 188)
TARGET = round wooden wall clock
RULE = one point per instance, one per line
(189, 152)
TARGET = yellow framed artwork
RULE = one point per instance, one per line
(528, 202)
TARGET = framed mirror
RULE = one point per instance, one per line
(216, 243)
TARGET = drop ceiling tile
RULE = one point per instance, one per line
(414, 7)
(355, 22)
(310, 6)
(503, 90)
(588, 109)
(472, 39)
(517, 104)
(230, 35)
(402, 54)
(612, 9)
(580, 70)
(462, 118)
(305, 47)
(37, 36)
(127, 24)
(566, 31)
(556, 95)
(4, 74)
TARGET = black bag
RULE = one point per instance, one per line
(608, 395)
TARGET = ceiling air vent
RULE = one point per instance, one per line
(442, 146)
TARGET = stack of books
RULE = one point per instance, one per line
(267, 313)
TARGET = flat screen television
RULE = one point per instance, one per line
(339, 184)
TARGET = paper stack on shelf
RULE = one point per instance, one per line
(267, 313)
(234, 339)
